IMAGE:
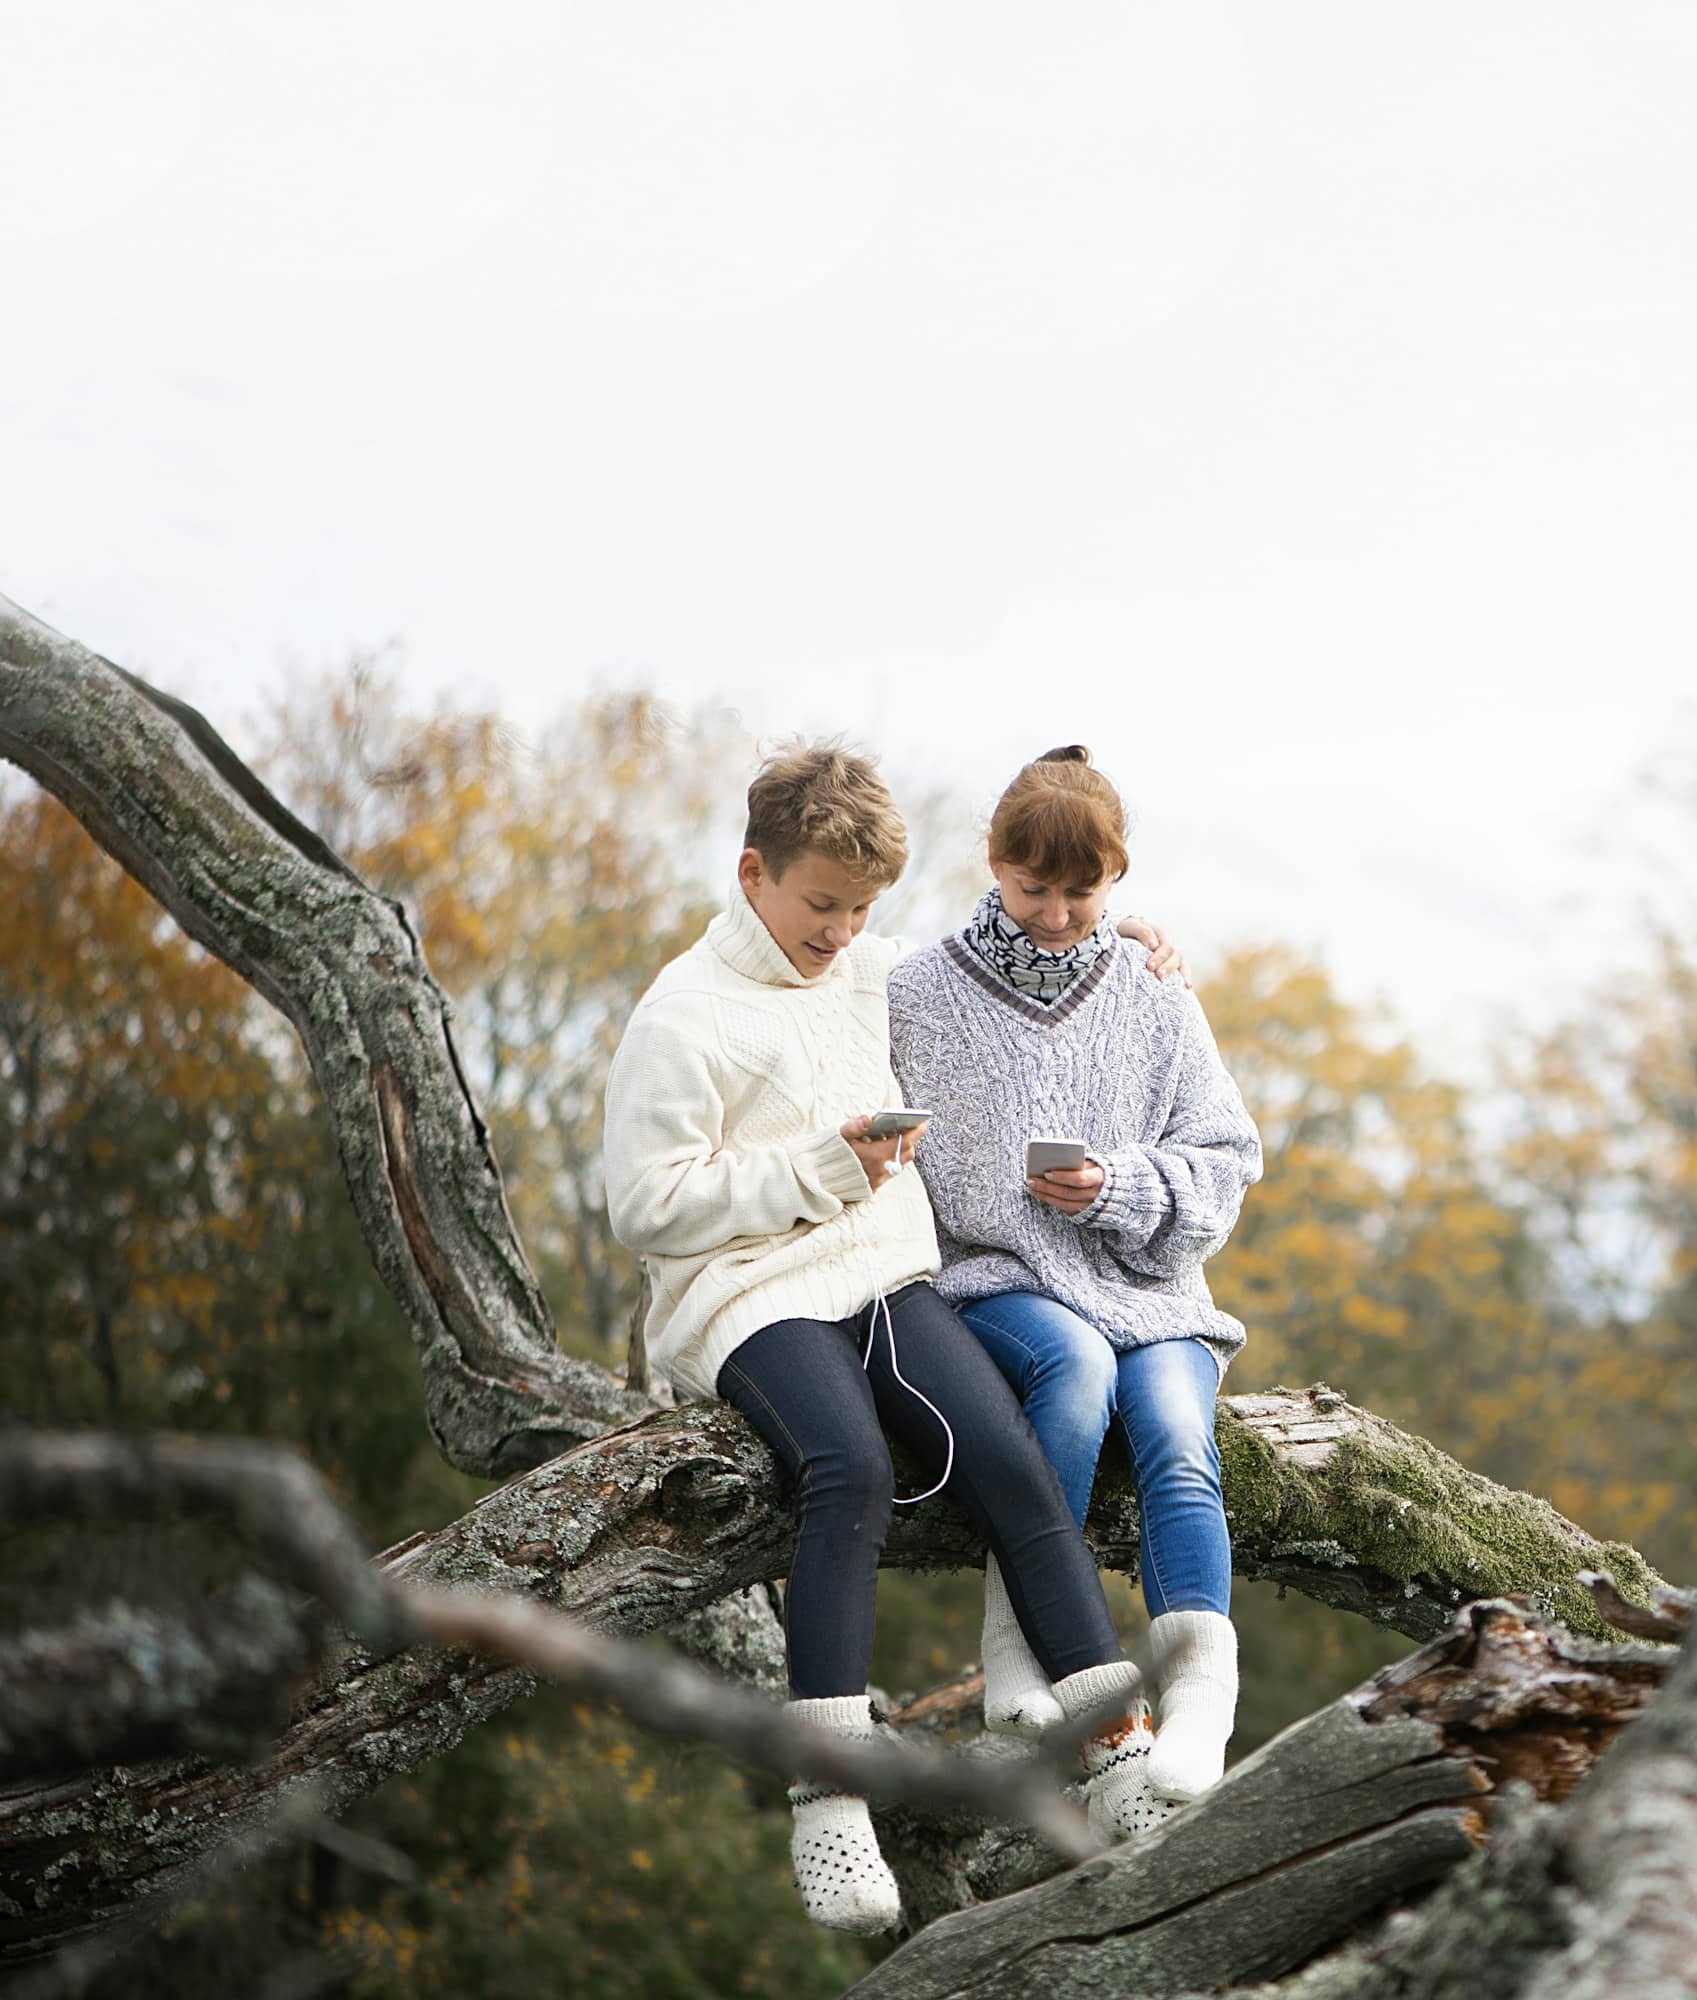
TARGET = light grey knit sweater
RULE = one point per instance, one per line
(1125, 1063)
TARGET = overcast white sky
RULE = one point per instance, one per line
(1296, 402)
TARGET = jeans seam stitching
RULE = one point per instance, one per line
(765, 1401)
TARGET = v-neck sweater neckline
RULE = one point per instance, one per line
(1035, 1011)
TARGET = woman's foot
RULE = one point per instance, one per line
(1196, 1676)
(1018, 1700)
(845, 1883)
(1119, 1801)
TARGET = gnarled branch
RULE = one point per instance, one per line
(162, 793)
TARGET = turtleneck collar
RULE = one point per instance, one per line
(748, 947)
(1024, 966)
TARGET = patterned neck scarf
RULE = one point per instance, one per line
(1040, 975)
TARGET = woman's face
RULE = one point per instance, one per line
(1054, 915)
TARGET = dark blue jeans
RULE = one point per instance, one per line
(801, 1385)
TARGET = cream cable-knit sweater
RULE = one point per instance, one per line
(726, 1170)
(1125, 1063)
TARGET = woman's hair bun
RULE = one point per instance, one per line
(1067, 753)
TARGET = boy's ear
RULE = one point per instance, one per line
(752, 871)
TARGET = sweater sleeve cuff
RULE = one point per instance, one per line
(826, 1160)
(1125, 1200)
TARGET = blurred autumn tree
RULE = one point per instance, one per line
(1604, 1145)
(179, 1249)
(1528, 1303)
(1377, 1252)
(126, 1067)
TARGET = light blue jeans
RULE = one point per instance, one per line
(1073, 1384)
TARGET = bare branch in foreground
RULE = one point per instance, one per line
(670, 1696)
(141, 1677)
(129, 1683)
(654, 1522)
(266, 1497)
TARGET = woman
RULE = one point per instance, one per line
(1085, 1285)
(791, 1277)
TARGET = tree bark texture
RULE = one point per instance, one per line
(1353, 1808)
(161, 792)
(1591, 1899)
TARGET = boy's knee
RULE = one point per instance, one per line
(858, 1479)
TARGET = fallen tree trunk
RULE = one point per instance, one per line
(654, 1522)
(1591, 1899)
(1355, 1807)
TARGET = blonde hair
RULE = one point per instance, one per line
(1061, 819)
(821, 798)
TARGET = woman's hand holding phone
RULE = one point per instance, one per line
(1070, 1189)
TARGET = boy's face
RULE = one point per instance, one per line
(814, 910)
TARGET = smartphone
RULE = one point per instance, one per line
(1044, 1153)
(886, 1124)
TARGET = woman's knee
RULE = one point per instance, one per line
(1075, 1367)
(1178, 1457)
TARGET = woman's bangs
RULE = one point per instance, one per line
(1061, 844)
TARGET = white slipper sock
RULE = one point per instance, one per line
(1196, 1673)
(845, 1882)
(1118, 1799)
(1018, 1700)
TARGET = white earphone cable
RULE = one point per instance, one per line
(880, 1304)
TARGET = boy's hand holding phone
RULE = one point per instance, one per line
(1058, 1174)
(884, 1140)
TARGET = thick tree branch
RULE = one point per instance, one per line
(1333, 1501)
(157, 787)
(1665, 1619)
(650, 1523)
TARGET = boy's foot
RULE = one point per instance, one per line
(844, 1880)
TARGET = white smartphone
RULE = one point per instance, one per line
(1043, 1153)
(886, 1124)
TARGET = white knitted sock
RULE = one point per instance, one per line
(1196, 1673)
(844, 1881)
(1017, 1698)
(1118, 1801)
